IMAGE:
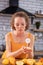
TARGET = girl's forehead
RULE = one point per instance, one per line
(19, 20)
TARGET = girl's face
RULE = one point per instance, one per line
(20, 24)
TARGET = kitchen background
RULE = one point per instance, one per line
(32, 6)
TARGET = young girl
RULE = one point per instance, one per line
(19, 42)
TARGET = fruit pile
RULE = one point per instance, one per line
(30, 62)
(12, 61)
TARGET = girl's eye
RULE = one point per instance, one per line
(22, 24)
(17, 24)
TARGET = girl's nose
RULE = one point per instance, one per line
(19, 25)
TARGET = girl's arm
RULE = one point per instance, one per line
(32, 45)
(30, 48)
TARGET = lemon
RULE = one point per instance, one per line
(12, 60)
(5, 61)
(19, 62)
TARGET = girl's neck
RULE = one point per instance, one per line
(19, 34)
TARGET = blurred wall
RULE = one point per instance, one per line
(28, 5)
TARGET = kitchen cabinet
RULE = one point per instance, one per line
(39, 15)
(38, 30)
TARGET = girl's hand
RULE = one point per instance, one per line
(26, 50)
(22, 49)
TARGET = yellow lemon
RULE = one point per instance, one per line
(5, 61)
(31, 61)
(25, 61)
(4, 55)
(19, 62)
(12, 60)
(38, 63)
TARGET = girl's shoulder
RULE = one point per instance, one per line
(8, 34)
(30, 34)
